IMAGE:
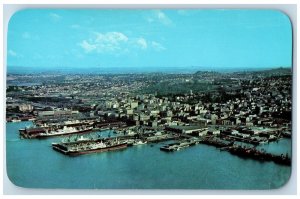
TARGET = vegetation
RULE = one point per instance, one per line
(177, 88)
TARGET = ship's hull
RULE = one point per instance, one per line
(60, 149)
(60, 134)
(23, 134)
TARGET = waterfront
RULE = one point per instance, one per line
(33, 163)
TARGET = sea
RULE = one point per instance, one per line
(32, 163)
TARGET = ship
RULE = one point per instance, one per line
(139, 142)
(15, 120)
(287, 134)
(40, 132)
(84, 146)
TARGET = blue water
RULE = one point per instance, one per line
(33, 164)
(16, 83)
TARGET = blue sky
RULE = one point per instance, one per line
(50, 38)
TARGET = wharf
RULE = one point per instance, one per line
(242, 151)
(161, 138)
(179, 145)
(235, 138)
(91, 145)
(259, 155)
(213, 141)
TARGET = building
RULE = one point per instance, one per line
(185, 129)
(25, 108)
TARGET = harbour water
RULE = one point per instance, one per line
(33, 164)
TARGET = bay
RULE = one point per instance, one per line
(34, 164)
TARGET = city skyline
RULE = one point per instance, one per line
(86, 39)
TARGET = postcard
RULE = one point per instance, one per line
(149, 99)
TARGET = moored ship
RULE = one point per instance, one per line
(83, 146)
(40, 132)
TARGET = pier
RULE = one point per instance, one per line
(89, 145)
(131, 136)
(241, 151)
(217, 142)
(179, 145)
(258, 155)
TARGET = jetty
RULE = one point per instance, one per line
(179, 145)
(253, 153)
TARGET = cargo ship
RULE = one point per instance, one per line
(40, 132)
(84, 146)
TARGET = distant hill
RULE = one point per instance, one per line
(281, 70)
(273, 71)
(206, 73)
(196, 70)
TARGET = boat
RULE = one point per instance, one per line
(40, 132)
(140, 142)
(81, 138)
(89, 146)
(264, 142)
(287, 134)
(29, 133)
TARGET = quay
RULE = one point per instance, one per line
(131, 136)
(92, 145)
(258, 155)
(217, 142)
(44, 130)
(161, 138)
(241, 151)
(179, 145)
(235, 138)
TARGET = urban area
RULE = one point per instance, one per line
(233, 111)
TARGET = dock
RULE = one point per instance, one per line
(256, 154)
(179, 145)
(217, 142)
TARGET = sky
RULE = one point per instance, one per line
(236, 39)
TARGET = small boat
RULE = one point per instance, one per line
(287, 134)
(140, 142)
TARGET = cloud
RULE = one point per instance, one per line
(160, 17)
(26, 35)
(157, 46)
(150, 20)
(142, 43)
(30, 36)
(105, 42)
(182, 12)
(114, 38)
(87, 46)
(55, 17)
(117, 42)
(75, 26)
(12, 53)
